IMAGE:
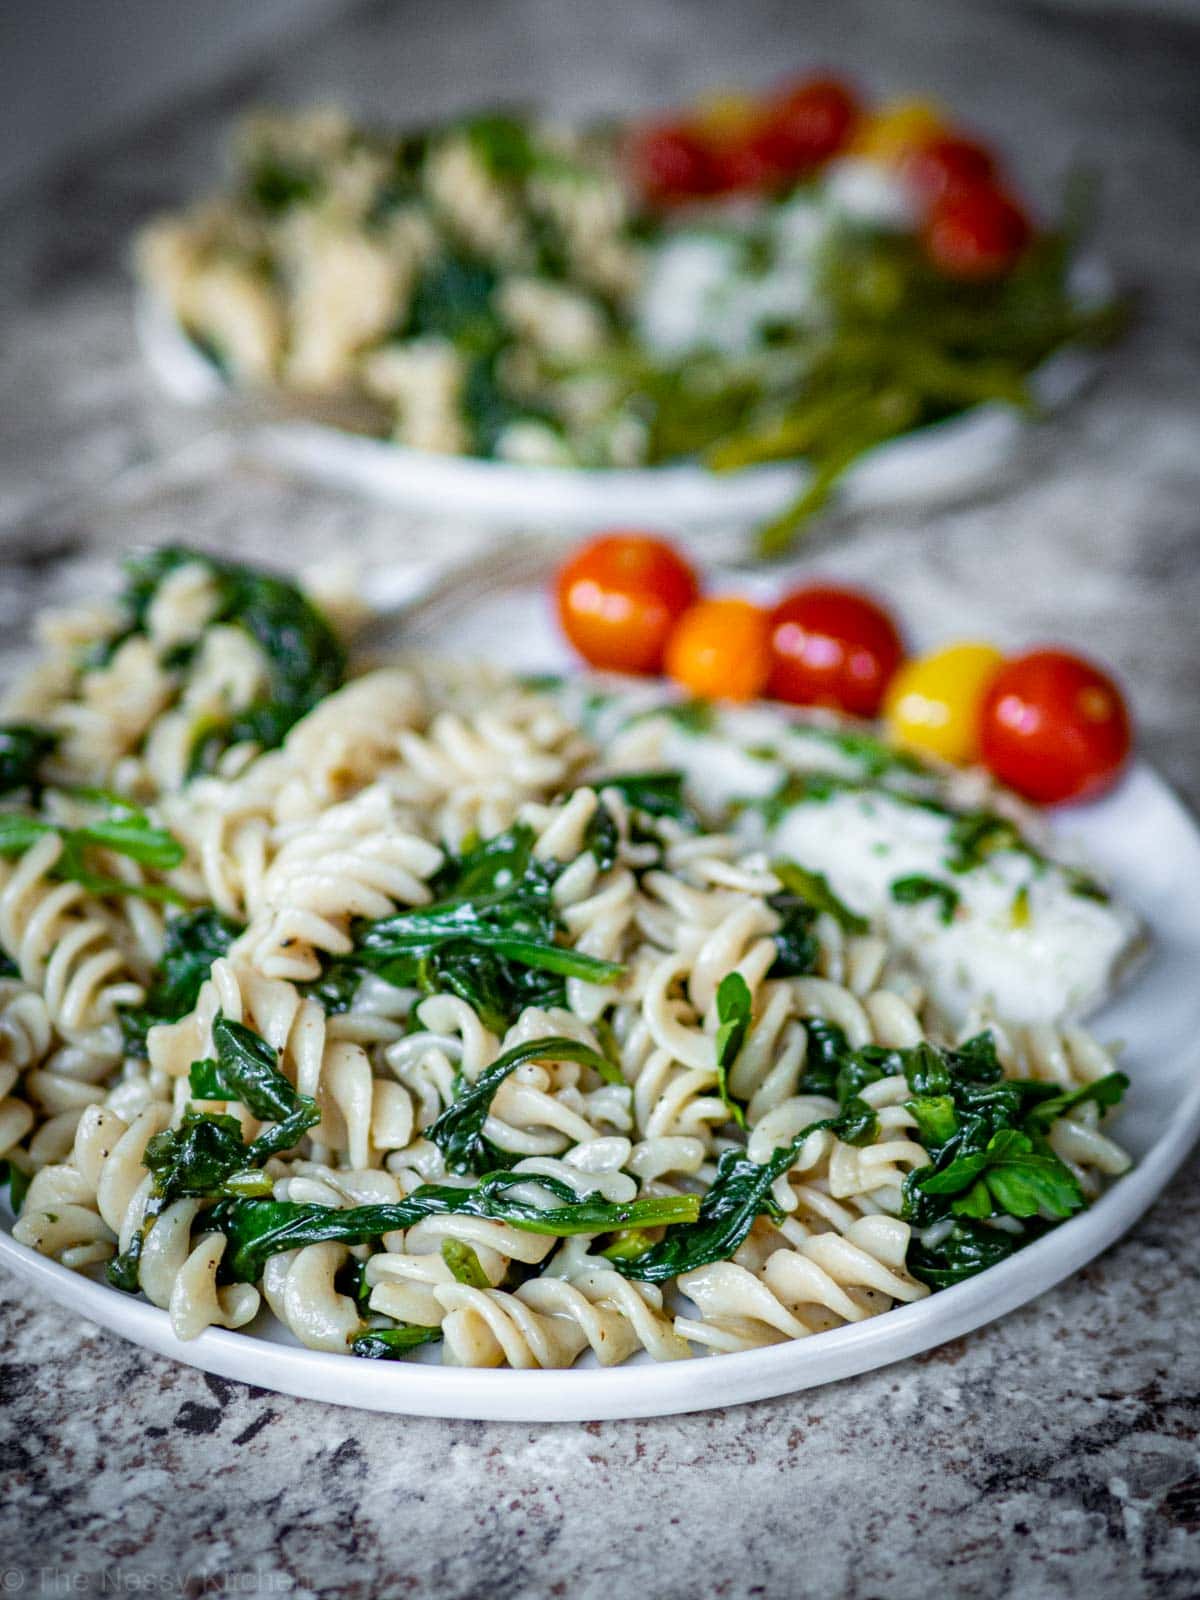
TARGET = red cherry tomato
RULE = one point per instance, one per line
(946, 165)
(720, 650)
(832, 647)
(671, 163)
(619, 598)
(807, 123)
(1054, 727)
(976, 233)
(751, 163)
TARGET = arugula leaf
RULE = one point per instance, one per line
(912, 890)
(734, 1013)
(259, 1228)
(464, 1264)
(192, 942)
(458, 1132)
(23, 748)
(391, 1344)
(814, 889)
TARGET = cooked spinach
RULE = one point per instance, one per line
(915, 888)
(24, 747)
(18, 1183)
(658, 794)
(740, 1192)
(734, 1012)
(304, 659)
(813, 888)
(192, 942)
(796, 945)
(458, 1132)
(490, 937)
(258, 1229)
(464, 1264)
(391, 1344)
(120, 828)
(247, 1070)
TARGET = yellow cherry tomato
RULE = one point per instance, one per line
(887, 135)
(933, 703)
(726, 114)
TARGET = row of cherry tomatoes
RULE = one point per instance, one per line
(737, 144)
(1047, 723)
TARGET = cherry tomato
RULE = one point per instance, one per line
(1054, 727)
(946, 165)
(832, 647)
(887, 135)
(806, 124)
(672, 163)
(720, 650)
(618, 598)
(933, 703)
(976, 233)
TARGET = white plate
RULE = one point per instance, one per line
(1140, 836)
(942, 462)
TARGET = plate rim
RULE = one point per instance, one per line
(587, 1394)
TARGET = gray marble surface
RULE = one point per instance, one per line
(1053, 1454)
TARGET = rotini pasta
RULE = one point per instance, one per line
(402, 1008)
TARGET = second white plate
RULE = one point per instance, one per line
(942, 462)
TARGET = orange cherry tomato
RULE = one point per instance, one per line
(976, 233)
(832, 647)
(946, 165)
(806, 124)
(672, 163)
(619, 597)
(720, 650)
(1054, 727)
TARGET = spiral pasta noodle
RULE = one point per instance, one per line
(417, 1014)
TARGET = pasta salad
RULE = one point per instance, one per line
(420, 1006)
(799, 275)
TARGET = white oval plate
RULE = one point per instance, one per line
(939, 463)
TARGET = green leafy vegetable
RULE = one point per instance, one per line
(734, 1013)
(123, 829)
(910, 891)
(658, 794)
(1104, 1092)
(247, 1070)
(813, 888)
(192, 942)
(458, 1132)
(391, 1344)
(740, 1192)
(491, 938)
(304, 660)
(464, 1264)
(24, 746)
(257, 1229)
(18, 1184)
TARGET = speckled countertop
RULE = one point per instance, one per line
(1054, 1454)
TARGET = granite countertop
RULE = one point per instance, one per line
(1053, 1454)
